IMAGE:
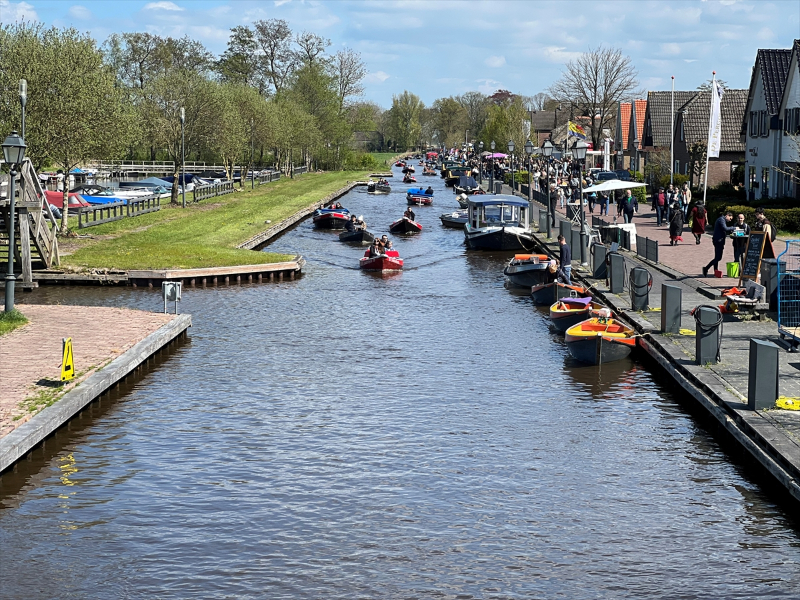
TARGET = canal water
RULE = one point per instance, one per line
(421, 435)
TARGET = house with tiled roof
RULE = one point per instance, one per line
(761, 126)
(657, 128)
(691, 126)
(621, 135)
(789, 149)
(636, 134)
(542, 124)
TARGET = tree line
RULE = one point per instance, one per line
(274, 97)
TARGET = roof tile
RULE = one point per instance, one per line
(659, 105)
(696, 114)
(774, 66)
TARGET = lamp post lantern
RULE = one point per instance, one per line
(13, 153)
(579, 150)
(529, 152)
(480, 162)
(491, 173)
(547, 150)
(511, 152)
(183, 160)
(23, 100)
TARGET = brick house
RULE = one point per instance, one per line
(635, 141)
(621, 135)
(691, 126)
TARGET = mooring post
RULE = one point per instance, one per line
(762, 380)
(671, 299)
(564, 228)
(639, 284)
(707, 338)
(616, 273)
(599, 267)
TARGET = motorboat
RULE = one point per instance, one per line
(466, 185)
(390, 261)
(409, 179)
(419, 196)
(463, 200)
(570, 311)
(75, 201)
(545, 294)
(399, 163)
(454, 175)
(600, 340)
(455, 219)
(359, 236)
(409, 169)
(429, 171)
(527, 270)
(331, 218)
(405, 225)
(498, 222)
(374, 187)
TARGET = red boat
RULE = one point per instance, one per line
(326, 218)
(390, 261)
(409, 179)
(57, 200)
(405, 225)
(399, 163)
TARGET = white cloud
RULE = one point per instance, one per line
(281, 2)
(376, 77)
(495, 61)
(671, 49)
(765, 33)
(488, 86)
(80, 12)
(18, 11)
(559, 54)
(689, 60)
(163, 5)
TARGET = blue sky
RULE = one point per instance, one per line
(439, 48)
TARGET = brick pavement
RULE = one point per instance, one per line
(33, 353)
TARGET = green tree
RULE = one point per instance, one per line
(450, 121)
(404, 120)
(241, 62)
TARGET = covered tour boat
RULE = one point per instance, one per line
(456, 219)
(546, 293)
(570, 311)
(527, 270)
(419, 196)
(454, 175)
(600, 340)
(405, 225)
(390, 261)
(466, 185)
(359, 236)
(331, 218)
(498, 222)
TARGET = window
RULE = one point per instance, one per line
(753, 182)
(677, 166)
(787, 121)
(764, 182)
(753, 124)
(764, 124)
(683, 137)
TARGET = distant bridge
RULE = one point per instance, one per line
(129, 167)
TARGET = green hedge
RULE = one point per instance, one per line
(519, 177)
(784, 219)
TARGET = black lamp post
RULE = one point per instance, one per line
(511, 152)
(529, 152)
(579, 151)
(491, 173)
(480, 162)
(547, 150)
(183, 161)
(13, 153)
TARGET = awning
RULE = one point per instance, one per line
(613, 184)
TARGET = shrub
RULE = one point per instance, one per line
(519, 177)
(783, 219)
(359, 161)
(677, 180)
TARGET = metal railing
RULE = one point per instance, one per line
(647, 248)
(211, 190)
(98, 214)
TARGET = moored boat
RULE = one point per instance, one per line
(498, 222)
(359, 236)
(546, 293)
(600, 340)
(405, 225)
(455, 219)
(466, 185)
(570, 311)
(527, 270)
(454, 175)
(331, 218)
(390, 261)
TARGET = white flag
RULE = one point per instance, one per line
(715, 122)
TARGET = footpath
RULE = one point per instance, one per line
(771, 437)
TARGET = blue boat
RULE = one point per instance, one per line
(420, 196)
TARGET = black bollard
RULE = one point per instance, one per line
(707, 338)
(599, 268)
(762, 381)
(565, 229)
(639, 286)
(616, 273)
(575, 244)
(671, 299)
(543, 220)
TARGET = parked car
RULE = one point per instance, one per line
(606, 176)
(624, 175)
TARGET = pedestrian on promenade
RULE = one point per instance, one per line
(660, 203)
(628, 205)
(670, 199)
(561, 196)
(553, 200)
(676, 226)
(722, 228)
(603, 203)
(699, 221)
(566, 258)
(687, 198)
(740, 241)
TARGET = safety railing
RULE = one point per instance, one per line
(101, 213)
(211, 190)
(143, 205)
(647, 248)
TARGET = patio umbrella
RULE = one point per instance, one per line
(613, 184)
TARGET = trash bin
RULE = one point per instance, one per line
(498, 187)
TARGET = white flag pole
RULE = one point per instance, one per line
(710, 124)
(672, 136)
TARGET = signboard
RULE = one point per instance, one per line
(753, 254)
(67, 360)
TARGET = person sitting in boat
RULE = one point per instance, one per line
(384, 241)
(388, 246)
(375, 249)
(360, 223)
(409, 214)
(429, 191)
(352, 224)
(336, 205)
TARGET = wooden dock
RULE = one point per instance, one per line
(219, 275)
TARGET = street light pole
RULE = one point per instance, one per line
(13, 153)
(252, 167)
(579, 150)
(511, 151)
(547, 150)
(529, 152)
(183, 160)
(23, 100)
(491, 173)
(480, 162)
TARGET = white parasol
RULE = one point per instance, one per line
(613, 184)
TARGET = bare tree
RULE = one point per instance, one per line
(538, 101)
(595, 83)
(349, 71)
(275, 40)
(311, 46)
(475, 104)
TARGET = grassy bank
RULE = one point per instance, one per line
(10, 321)
(204, 234)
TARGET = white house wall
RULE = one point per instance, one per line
(789, 149)
(761, 152)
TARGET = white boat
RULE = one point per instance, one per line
(498, 222)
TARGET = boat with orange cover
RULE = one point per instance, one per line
(567, 312)
(546, 293)
(527, 270)
(600, 340)
(390, 261)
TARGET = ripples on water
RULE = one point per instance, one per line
(348, 435)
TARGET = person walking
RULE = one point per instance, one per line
(740, 241)
(603, 203)
(566, 258)
(660, 204)
(698, 221)
(722, 228)
(676, 226)
(628, 205)
(685, 200)
(553, 200)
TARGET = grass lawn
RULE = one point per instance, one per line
(202, 235)
(385, 157)
(10, 321)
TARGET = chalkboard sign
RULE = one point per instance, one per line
(752, 255)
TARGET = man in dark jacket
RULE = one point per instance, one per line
(628, 206)
(740, 242)
(566, 258)
(553, 202)
(722, 228)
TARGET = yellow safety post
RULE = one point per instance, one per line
(67, 361)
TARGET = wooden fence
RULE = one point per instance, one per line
(105, 213)
(212, 190)
(268, 177)
(143, 205)
(299, 171)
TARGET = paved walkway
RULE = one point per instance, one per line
(30, 357)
